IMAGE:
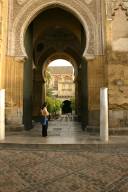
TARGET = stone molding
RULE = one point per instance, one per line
(20, 2)
(20, 59)
(88, 1)
(29, 10)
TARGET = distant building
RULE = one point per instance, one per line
(62, 82)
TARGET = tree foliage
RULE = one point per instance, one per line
(53, 105)
(48, 76)
(73, 103)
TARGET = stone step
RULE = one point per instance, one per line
(112, 131)
(100, 147)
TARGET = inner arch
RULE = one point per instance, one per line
(52, 32)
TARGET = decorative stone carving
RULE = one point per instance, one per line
(113, 5)
(117, 57)
(125, 7)
(120, 3)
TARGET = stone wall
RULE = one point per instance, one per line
(117, 59)
(14, 90)
(96, 80)
(3, 39)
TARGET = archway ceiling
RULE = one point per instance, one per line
(72, 53)
(57, 40)
(57, 30)
(56, 18)
(56, 33)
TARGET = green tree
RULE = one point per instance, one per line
(57, 105)
(49, 92)
(48, 76)
(73, 103)
(50, 104)
(53, 105)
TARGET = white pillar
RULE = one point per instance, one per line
(104, 114)
(2, 114)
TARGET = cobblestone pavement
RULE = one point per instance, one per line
(38, 166)
(32, 170)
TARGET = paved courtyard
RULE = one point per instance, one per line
(67, 160)
(61, 131)
(32, 170)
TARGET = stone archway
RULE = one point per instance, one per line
(61, 55)
(75, 65)
(81, 86)
(55, 36)
(28, 12)
(22, 14)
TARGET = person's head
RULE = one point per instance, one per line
(44, 105)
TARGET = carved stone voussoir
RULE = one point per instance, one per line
(28, 9)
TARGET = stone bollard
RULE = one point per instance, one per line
(2, 114)
(104, 114)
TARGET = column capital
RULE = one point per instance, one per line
(20, 59)
(88, 56)
(76, 79)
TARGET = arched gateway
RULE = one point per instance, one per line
(43, 30)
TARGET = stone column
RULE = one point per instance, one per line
(104, 114)
(28, 80)
(43, 91)
(1, 51)
(84, 94)
(37, 91)
(27, 97)
(2, 114)
(76, 96)
(79, 94)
